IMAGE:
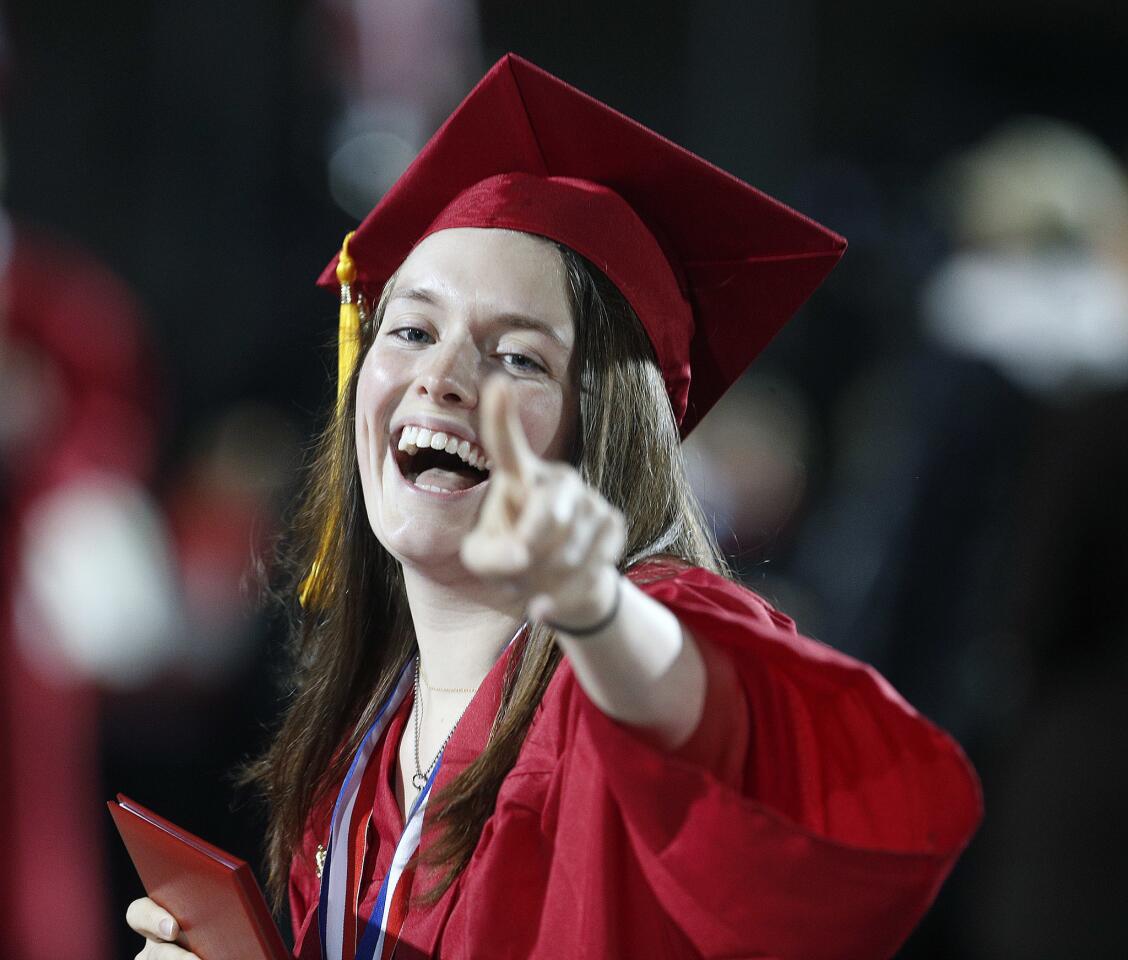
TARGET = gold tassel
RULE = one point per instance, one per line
(348, 347)
(348, 329)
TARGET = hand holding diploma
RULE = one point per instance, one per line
(160, 930)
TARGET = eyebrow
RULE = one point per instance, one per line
(519, 321)
(418, 294)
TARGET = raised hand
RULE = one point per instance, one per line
(542, 532)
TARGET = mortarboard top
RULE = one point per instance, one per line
(712, 266)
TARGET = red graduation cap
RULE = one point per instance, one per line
(712, 266)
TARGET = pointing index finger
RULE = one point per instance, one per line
(505, 439)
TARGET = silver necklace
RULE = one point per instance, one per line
(420, 777)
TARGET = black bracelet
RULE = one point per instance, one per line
(595, 627)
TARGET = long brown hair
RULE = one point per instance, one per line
(348, 649)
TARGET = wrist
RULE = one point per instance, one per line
(593, 608)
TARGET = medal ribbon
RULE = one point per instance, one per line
(340, 883)
(382, 934)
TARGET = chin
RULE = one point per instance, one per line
(418, 541)
(415, 526)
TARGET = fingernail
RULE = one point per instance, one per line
(168, 928)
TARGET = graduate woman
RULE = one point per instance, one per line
(530, 716)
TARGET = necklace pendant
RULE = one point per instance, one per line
(419, 780)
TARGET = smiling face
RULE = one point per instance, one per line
(467, 304)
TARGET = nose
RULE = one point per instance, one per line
(451, 375)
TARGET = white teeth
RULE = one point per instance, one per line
(413, 439)
(407, 440)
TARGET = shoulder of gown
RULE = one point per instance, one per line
(827, 835)
(814, 814)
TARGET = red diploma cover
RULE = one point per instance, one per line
(213, 895)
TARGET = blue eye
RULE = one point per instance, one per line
(411, 334)
(521, 363)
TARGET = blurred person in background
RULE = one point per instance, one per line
(505, 597)
(1025, 315)
(86, 595)
(85, 592)
(976, 508)
(108, 592)
(1038, 287)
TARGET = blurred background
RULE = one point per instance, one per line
(928, 468)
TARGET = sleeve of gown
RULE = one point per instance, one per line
(828, 837)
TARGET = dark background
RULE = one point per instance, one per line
(185, 144)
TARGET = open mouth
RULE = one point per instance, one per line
(439, 462)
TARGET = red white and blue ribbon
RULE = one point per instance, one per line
(340, 883)
(344, 859)
(383, 930)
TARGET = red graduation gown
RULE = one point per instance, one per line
(813, 815)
